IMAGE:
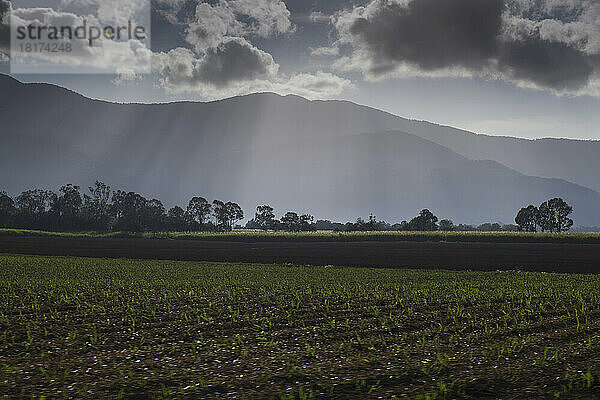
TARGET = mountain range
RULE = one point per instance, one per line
(333, 159)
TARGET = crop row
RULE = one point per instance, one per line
(327, 236)
(73, 327)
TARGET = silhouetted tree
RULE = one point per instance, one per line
(65, 208)
(199, 210)
(546, 218)
(234, 214)
(327, 225)
(372, 225)
(227, 215)
(7, 210)
(306, 221)
(560, 211)
(129, 210)
(96, 206)
(490, 227)
(219, 210)
(399, 227)
(32, 208)
(527, 219)
(357, 226)
(447, 226)
(265, 217)
(425, 222)
(178, 219)
(291, 222)
(510, 228)
(154, 215)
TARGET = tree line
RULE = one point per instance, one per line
(550, 216)
(426, 221)
(102, 209)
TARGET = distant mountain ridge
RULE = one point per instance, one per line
(334, 159)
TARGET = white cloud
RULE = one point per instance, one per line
(271, 17)
(181, 71)
(328, 51)
(318, 17)
(122, 11)
(126, 76)
(211, 25)
(224, 62)
(221, 61)
(315, 85)
(238, 18)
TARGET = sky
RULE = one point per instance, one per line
(526, 68)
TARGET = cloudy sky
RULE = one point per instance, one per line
(528, 68)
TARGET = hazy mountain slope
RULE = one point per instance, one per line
(257, 120)
(574, 160)
(287, 151)
(392, 174)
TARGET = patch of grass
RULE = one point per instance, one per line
(74, 327)
(90, 234)
(258, 236)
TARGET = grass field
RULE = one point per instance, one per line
(72, 327)
(258, 236)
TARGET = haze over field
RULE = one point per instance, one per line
(335, 159)
(284, 126)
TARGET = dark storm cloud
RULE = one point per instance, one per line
(547, 64)
(234, 60)
(434, 35)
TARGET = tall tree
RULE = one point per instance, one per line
(179, 220)
(155, 215)
(424, 222)
(199, 210)
(7, 209)
(527, 219)
(234, 214)
(130, 211)
(265, 217)
(291, 222)
(221, 215)
(546, 219)
(306, 221)
(34, 201)
(561, 211)
(96, 206)
(32, 208)
(447, 226)
(66, 206)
